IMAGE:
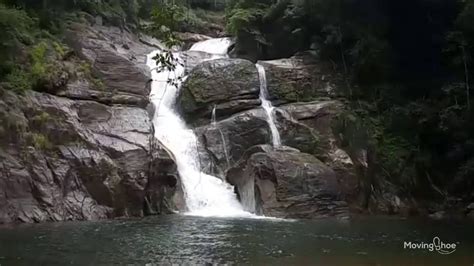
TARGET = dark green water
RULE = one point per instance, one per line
(192, 240)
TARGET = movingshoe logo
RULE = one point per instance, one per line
(436, 245)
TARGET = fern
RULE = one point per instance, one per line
(241, 19)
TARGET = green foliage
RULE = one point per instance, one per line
(42, 68)
(394, 156)
(40, 119)
(168, 15)
(39, 67)
(409, 79)
(98, 83)
(239, 19)
(16, 31)
(165, 21)
(16, 26)
(60, 49)
(207, 4)
(203, 16)
(18, 80)
(38, 140)
(246, 16)
(12, 123)
(85, 68)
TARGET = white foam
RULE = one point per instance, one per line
(267, 106)
(205, 195)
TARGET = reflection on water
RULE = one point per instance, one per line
(194, 240)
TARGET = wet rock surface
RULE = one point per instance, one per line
(308, 139)
(85, 153)
(188, 38)
(229, 139)
(230, 85)
(289, 184)
(301, 78)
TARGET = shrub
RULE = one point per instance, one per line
(16, 30)
(39, 67)
(40, 119)
(60, 49)
(18, 80)
(38, 140)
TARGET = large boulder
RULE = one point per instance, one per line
(301, 78)
(229, 85)
(287, 184)
(296, 134)
(344, 153)
(191, 59)
(308, 127)
(227, 140)
(319, 117)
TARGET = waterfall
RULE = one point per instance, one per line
(267, 106)
(213, 117)
(215, 126)
(205, 195)
(218, 47)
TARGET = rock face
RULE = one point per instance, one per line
(346, 153)
(288, 184)
(304, 126)
(191, 59)
(229, 139)
(313, 175)
(188, 38)
(231, 85)
(301, 78)
(311, 151)
(87, 152)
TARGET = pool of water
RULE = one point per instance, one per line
(189, 240)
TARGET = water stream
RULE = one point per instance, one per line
(217, 47)
(267, 106)
(205, 195)
(215, 126)
(213, 117)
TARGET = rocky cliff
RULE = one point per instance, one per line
(311, 175)
(85, 150)
(326, 166)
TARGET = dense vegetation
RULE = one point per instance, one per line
(408, 65)
(31, 49)
(31, 45)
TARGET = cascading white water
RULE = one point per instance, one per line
(205, 195)
(215, 126)
(217, 46)
(267, 106)
(213, 117)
